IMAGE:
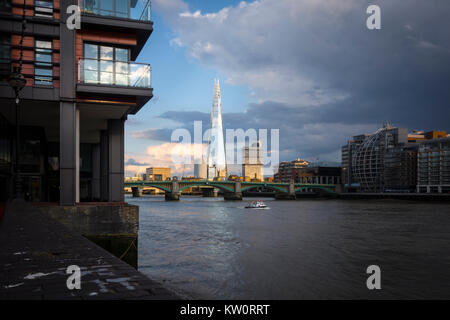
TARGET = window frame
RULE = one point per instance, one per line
(113, 61)
(43, 65)
(44, 11)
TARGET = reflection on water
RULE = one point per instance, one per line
(210, 249)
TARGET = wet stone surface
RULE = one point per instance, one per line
(35, 252)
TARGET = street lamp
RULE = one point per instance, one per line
(17, 81)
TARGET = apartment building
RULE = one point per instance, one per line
(81, 85)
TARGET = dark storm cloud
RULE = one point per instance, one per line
(320, 75)
(132, 162)
(152, 134)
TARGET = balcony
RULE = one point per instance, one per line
(130, 16)
(119, 79)
(127, 9)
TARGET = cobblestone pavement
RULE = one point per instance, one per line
(36, 250)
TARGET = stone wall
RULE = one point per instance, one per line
(112, 227)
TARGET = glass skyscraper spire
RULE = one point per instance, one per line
(217, 167)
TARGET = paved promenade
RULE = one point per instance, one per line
(36, 250)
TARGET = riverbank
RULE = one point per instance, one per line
(37, 250)
(396, 196)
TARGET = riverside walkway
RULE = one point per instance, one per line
(36, 250)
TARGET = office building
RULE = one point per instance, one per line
(388, 161)
(433, 166)
(200, 170)
(253, 162)
(157, 174)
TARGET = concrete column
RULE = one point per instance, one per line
(69, 117)
(96, 172)
(104, 166)
(428, 189)
(439, 189)
(116, 160)
(236, 195)
(175, 194)
(69, 153)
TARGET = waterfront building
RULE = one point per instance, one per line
(387, 160)
(400, 169)
(253, 162)
(157, 173)
(302, 171)
(200, 170)
(433, 165)
(368, 160)
(216, 163)
(81, 85)
(289, 170)
(347, 155)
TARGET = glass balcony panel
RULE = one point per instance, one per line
(106, 78)
(107, 7)
(128, 9)
(123, 8)
(120, 73)
(91, 65)
(122, 79)
(90, 6)
(90, 76)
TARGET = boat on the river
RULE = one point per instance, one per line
(257, 204)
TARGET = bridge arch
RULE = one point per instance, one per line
(211, 184)
(147, 185)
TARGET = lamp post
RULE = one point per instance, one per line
(17, 81)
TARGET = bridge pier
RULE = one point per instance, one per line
(232, 196)
(290, 195)
(174, 195)
(236, 195)
(136, 191)
(210, 192)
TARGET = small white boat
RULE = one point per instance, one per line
(258, 204)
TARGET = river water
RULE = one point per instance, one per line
(207, 248)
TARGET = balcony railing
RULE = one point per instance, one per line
(116, 73)
(128, 9)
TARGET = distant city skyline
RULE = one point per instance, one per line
(318, 88)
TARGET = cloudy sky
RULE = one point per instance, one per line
(310, 68)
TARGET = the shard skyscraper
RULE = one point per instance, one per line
(217, 167)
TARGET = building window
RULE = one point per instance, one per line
(5, 54)
(43, 8)
(5, 5)
(106, 65)
(43, 69)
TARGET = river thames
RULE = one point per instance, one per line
(206, 248)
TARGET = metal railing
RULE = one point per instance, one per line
(117, 73)
(128, 9)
